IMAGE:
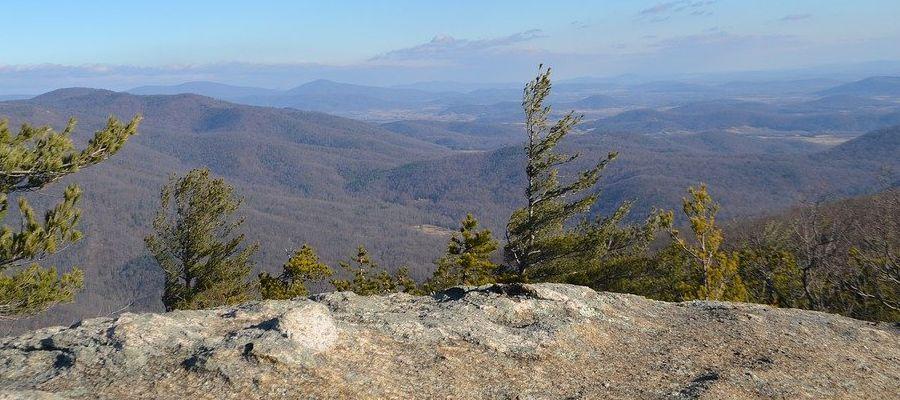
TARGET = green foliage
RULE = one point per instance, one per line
(717, 269)
(37, 156)
(772, 276)
(29, 160)
(197, 244)
(671, 275)
(303, 266)
(536, 233)
(468, 259)
(770, 270)
(33, 289)
(607, 244)
(369, 278)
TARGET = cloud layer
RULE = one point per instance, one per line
(444, 49)
(663, 11)
(795, 17)
(574, 47)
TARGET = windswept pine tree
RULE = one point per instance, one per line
(302, 267)
(541, 234)
(30, 160)
(468, 258)
(613, 253)
(196, 242)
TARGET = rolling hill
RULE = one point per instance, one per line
(597, 101)
(727, 113)
(747, 176)
(290, 165)
(874, 86)
(335, 182)
(882, 144)
(845, 102)
(459, 135)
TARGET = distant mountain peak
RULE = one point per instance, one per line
(320, 85)
(317, 82)
(205, 88)
(68, 93)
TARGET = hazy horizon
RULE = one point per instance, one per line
(275, 45)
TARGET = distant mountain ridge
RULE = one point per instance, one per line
(881, 144)
(597, 101)
(874, 86)
(828, 115)
(738, 102)
(318, 95)
(846, 101)
(335, 182)
(326, 95)
(204, 88)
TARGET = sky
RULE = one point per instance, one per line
(280, 44)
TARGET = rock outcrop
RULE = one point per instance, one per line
(545, 341)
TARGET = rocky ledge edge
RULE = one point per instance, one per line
(517, 341)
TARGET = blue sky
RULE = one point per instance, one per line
(395, 41)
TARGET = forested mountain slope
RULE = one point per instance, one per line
(336, 182)
(292, 167)
(748, 176)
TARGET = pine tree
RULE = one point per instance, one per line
(537, 234)
(718, 270)
(302, 267)
(30, 160)
(468, 259)
(369, 278)
(197, 244)
(612, 254)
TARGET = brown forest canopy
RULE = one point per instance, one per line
(330, 181)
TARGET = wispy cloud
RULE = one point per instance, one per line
(580, 24)
(665, 10)
(444, 57)
(659, 8)
(794, 17)
(443, 48)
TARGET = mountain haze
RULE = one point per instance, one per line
(335, 182)
(874, 86)
(210, 89)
